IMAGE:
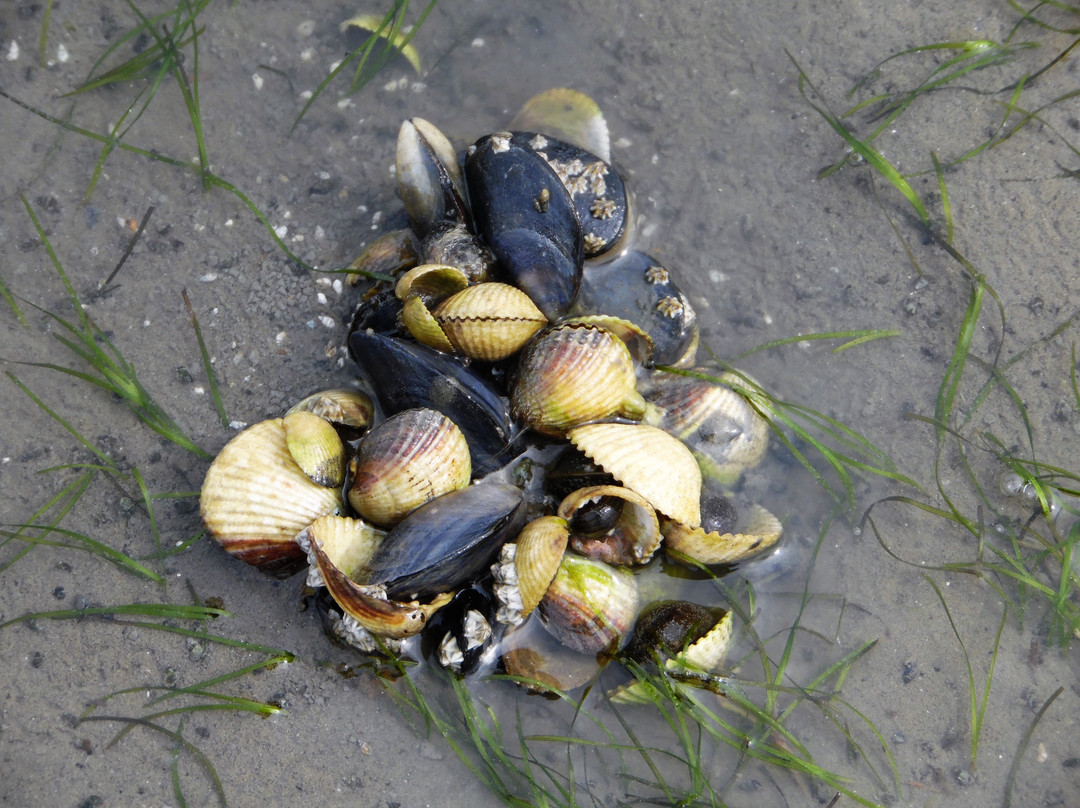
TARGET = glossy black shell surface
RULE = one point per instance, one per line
(448, 542)
(526, 216)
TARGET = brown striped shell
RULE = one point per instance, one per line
(407, 460)
(649, 461)
(755, 532)
(574, 374)
(720, 426)
(256, 498)
(346, 408)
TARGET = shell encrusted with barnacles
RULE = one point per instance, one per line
(512, 457)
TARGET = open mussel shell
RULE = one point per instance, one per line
(446, 543)
(315, 446)
(574, 374)
(649, 461)
(635, 287)
(428, 176)
(719, 425)
(589, 605)
(255, 499)
(612, 524)
(569, 115)
(405, 375)
(527, 566)
(407, 460)
(526, 216)
(756, 531)
(351, 411)
(343, 550)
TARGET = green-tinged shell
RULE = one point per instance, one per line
(420, 322)
(527, 566)
(633, 535)
(489, 321)
(398, 37)
(569, 115)
(719, 425)
(342, 407)
(315, 446)
(757, 531)
(342, 550)
(572, 375)
(409, 459)
(431, 282)
(589, 606)
(255, 499)
(649, 461)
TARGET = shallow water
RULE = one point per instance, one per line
(723, 153)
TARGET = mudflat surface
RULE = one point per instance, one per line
(723, 153)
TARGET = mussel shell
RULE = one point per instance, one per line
(527, 218)
(667, 629)
(405, 375)
(599, 196)
(446, 543)
(455, 245)
(388, 254)
(428, 177)
(461, 631)
(379, 311)
(407, 460)
(637, 288)
(255, 499)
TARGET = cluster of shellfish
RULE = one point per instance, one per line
(517, 457)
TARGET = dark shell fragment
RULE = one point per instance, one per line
(404, 375)
(526, 216)
(666, 629)
(448, 542)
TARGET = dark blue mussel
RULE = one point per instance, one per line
(596, 189)
(636, 287)
(404, 375)
(446, 543)
(523, 212)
